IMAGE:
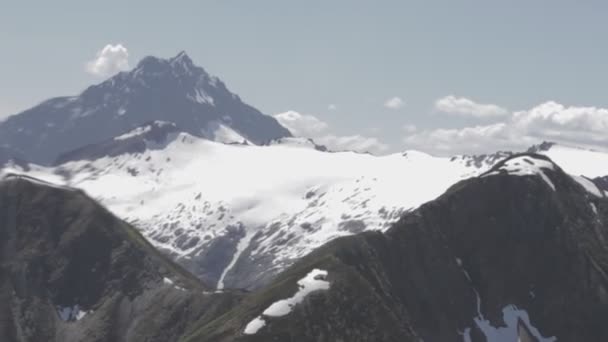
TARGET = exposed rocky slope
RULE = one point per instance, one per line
(71, 271)
(519, 252)
(173, 90)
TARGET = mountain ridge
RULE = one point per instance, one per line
(192, 198)
(499, 257)
(71, 271)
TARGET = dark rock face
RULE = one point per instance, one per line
(70, 271)
(544, 146)
(173, 90)
(487, 244)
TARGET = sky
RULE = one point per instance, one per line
(443, 77)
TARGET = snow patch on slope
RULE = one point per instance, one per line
(313, 281)
(588, 185)
(526, 166)
(240, 248)
(254, 326)
(514, 319)
(143, 130)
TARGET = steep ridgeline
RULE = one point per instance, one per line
(71, 271)
(173, 90)
(516, 254)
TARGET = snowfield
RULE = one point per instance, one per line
(312, 282)
(236, 214)
(577, 161)
(270, 205)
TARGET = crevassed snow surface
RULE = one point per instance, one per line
(291, 200)
(313, 281)
(525, 166)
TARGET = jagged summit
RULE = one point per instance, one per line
(181, 65)
(183, 59)
(173, 90)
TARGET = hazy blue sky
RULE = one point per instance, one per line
(355, 55)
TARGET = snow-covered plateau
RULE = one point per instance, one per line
(237, 214)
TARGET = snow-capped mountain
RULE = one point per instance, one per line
(518, 253)
(173, 90)
(237, 214)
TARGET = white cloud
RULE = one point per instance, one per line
(466, 107)
(309, 126)
(468, 140)
(301, 125)
(394, 103)
(109, 60)
(332, 107)
(583, 126)
(356, 143)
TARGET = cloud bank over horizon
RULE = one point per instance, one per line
(516, 131)
(309, 126)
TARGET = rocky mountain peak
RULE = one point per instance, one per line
(180, 66)
(182, 60)
(173, 90)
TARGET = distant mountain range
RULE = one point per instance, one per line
(172, 90)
